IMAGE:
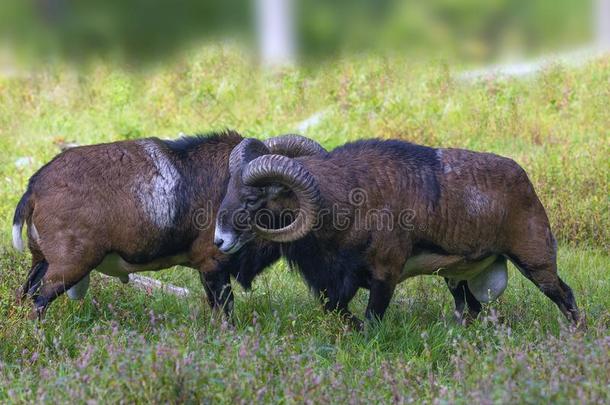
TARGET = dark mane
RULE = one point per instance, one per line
(187, 143)
(395, 149)
(416, 158)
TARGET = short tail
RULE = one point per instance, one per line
(22, 213)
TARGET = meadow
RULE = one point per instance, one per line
(121, 344)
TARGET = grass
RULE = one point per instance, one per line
(125, 345)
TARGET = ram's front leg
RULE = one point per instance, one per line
(462, 296)
(335, 297)
(217, 286)
(333, 303)
(379, 298)
(386, 270)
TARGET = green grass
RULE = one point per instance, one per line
(122, 344)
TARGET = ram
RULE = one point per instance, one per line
(133, 206)
(373, 213)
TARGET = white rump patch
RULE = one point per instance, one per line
(157, 192)
(17, 240)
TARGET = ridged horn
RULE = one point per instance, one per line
(244, 152)
(293, 145)
(290, 173)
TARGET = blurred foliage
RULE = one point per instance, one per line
(471, 29)
(140, 30)
(128, 29)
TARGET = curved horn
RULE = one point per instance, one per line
(244, 152)
(293, 145)
(290, 173)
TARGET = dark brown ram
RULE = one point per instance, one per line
(132, 206)
(372, 213)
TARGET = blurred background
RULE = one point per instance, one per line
(280, 31)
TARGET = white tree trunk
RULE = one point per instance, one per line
(275, 23)
(603, 23)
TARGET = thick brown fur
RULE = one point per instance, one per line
(147, 201)
(463, 203)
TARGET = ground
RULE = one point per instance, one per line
(123, 344)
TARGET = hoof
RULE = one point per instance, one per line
(356, 324)
(579, 322)
(219, 317)
(19, 296)
(37, 313)
(466, 319)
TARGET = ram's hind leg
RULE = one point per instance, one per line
(540, 267)
(462, 297)
(37, 270)
(61, 270)
(32, 283)
(545, 277)
(56, 280)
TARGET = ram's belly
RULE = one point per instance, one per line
(114, 265)
(487, 278)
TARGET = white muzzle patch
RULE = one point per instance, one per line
(226, 241)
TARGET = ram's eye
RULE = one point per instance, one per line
(251, 202)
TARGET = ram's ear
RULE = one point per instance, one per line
(275, 190)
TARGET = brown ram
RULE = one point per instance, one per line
(132, 206)
(372, 213)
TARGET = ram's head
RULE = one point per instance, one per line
(270, 193)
